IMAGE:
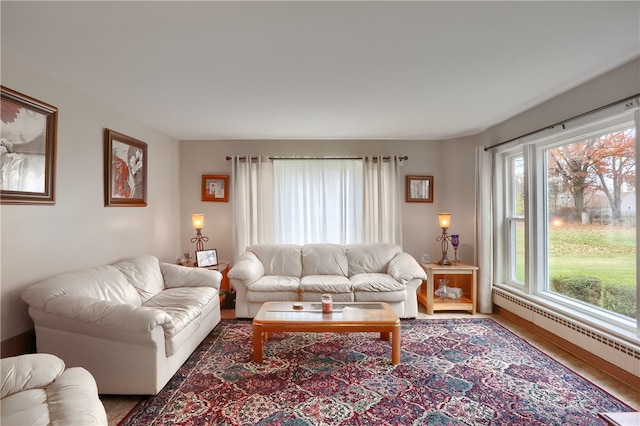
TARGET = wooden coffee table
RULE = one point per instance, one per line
(377, 317)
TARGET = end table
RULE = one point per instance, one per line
(459, 275)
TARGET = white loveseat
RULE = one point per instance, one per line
(37, 390)
(350, 273)
(131, 324)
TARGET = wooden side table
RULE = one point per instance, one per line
(223, 267)
(459, 275)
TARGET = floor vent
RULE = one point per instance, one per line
(574, 327)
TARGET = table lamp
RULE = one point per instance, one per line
(198, 224)
(444, 220)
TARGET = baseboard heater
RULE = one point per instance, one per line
(597, 342)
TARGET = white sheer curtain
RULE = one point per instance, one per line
(484, 228)
(252, 200)
(317, 201)
(382, 201)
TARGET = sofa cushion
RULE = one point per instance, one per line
(324, 259)
(274, 283)
(182, 304)
(370, 258)
(375, 283)
(273, 288)
(143, 272)
(325, 284)
(279, 259)
(102, 282)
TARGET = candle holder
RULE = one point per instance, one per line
(455, 242)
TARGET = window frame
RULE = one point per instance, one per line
(534, 152)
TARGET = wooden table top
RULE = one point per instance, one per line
(352, 313)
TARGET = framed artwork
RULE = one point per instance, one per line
(125, 171)
(419, 189)
(215, 188)
(207, 258)
(27, 149)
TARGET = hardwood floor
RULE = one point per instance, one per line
(117, 407)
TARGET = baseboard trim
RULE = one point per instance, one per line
(581, 353)
(24, 343)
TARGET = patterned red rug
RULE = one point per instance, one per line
(453, 372)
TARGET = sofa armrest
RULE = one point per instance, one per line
(31, 371)
(248, 269)
(404, 268)
(186, 276)
(109, 314)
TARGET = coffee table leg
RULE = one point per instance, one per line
(384, 335)
(395, 345)
(257, 344)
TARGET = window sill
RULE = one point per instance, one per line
(614, 328)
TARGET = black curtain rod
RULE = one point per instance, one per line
(318, 158)
(487, 148)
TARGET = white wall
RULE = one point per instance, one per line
(613, 86)
(78, 231)
(453, 187)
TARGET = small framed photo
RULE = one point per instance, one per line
(207, 258)
(419, 189)
(27, 149)
(215, 188)
(125, 171)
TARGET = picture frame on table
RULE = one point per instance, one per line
(27, 149)
(125, 170)
(215, 188)
(419, 189)
(206, 258)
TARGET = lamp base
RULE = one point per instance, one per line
(445, 262)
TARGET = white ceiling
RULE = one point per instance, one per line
(318, 70)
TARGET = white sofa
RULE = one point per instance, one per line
(37, 390)
(131, 324)
(350, 273)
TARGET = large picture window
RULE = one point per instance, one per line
(569, 219)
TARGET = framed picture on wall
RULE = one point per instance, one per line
(27, 149)
(215, 188)
(125, 170)
(419, 189)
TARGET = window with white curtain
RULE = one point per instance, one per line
(318, 201)
(305, 201)
(567, 229)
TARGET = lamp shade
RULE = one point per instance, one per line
(444, 219)
(198, 221)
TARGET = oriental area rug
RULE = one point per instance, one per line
(452, 372)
